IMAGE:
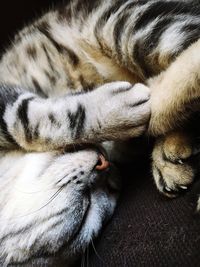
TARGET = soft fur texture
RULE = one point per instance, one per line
(55, 206)
(62, 86)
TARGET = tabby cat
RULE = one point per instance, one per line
(80, 75)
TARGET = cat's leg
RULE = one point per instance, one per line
(113, 111)
(175, 92)
(175, 98)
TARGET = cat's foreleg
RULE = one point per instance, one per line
(113, 111)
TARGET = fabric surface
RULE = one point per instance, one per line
(148, 229)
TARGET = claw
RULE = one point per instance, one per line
(180, 161)
(184, 187)
(168, 189)
(170, 192)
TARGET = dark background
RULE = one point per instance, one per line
(147, 229)
(14, 14)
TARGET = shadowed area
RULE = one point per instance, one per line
(148, 229)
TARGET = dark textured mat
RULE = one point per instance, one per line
(148, 229)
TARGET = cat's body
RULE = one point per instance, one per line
(52, 97)
(85, 44)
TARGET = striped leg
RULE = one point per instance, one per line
(113, 111)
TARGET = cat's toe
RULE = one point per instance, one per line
(138, 104)
(130, 103)
(138, 95)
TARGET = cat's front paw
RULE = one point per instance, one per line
(125, 109)
(174, 165)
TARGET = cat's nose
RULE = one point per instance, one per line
(102, 163)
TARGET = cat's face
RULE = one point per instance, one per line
(55, 203)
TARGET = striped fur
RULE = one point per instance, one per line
(112, 111)
(62, 85)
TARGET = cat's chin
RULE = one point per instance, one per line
(102, 200)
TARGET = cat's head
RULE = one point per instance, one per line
(54, 203)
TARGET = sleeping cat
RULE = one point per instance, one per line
(63, 91)
(54, 203)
